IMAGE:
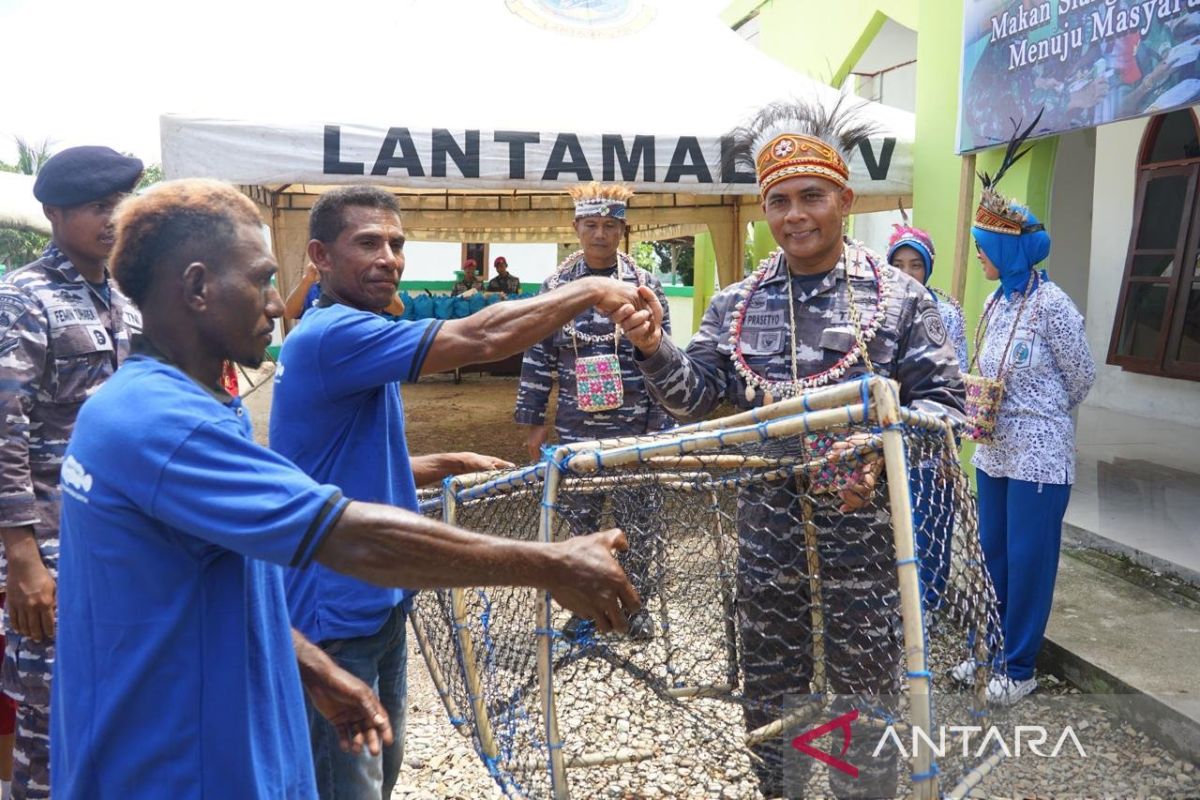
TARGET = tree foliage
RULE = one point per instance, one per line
(19, 247)
(685, 268)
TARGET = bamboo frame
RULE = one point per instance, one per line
(833, 408)
(687, 443)
(728, 593)
(439, 678)
(544, 625)
(919, 685)
(975, 777)
(773, 729)
(816, 604)
(702, 690)
(624, 755)
(458, 602)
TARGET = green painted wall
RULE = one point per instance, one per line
(798, 33)
(936, 166)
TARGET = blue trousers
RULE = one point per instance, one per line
(1020, 528)
(379, 660)
(933, 526)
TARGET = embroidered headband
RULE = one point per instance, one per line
(600, 200)
(792, 138)
(792, 154)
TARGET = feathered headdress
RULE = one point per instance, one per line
(996, 213)
(596, 199)
(905, 235)
(800, 137)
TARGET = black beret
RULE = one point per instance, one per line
(82, 174)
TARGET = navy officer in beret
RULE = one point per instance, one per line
(64, 329)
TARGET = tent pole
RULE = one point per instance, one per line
(962, 234)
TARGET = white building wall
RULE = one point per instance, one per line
(431, 261)
(438, 261)
(1070, 222)
(1112, 222)
(531, 262)
(886, 73)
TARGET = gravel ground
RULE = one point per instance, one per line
(1122, 762)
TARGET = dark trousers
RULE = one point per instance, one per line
(636, 510)
(859, 601)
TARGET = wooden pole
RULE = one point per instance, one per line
(725, 572)
(920, 693)
(773, 729)
(457, 719)
(458, 603)
(703, 690)
(625, 755)
(816, 607)
(962, 235)
(660, 446)
(545, 628)
(975, 777)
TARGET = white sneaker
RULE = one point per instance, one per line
(1004, 691)
(964, 673)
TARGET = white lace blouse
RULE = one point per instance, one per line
(1051, 372)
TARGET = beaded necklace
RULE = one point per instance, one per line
(556, 280)
(862, 334)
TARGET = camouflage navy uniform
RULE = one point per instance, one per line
(858, 579)
(554, 359)
(60, 339)
(508, 284)
(462, 286)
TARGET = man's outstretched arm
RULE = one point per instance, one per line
(502, 329)
(388, 546)
(429, 469)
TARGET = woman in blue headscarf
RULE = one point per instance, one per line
(1031, 338)
(911, 251)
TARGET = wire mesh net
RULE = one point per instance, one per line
(766, 555)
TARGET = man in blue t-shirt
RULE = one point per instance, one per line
(178, 673)
(337, 414)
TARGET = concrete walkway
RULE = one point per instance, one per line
(1132, 638)
(1137, 490)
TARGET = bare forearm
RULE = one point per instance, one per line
(430, 469)
(502, 329)
(309, 657)
(293, 306)
(20, 545)
(392, 547)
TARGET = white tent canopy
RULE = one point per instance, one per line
(479, 112)
(18, 207)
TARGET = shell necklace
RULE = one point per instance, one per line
(556, 279)
(863, 334)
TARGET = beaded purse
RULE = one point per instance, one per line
(984, 394)
(598, 385)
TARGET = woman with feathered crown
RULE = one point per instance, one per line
(601, 394)
(820, 310)
(1034, 367)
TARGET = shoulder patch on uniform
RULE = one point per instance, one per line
(11, 309)
(933, 326)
